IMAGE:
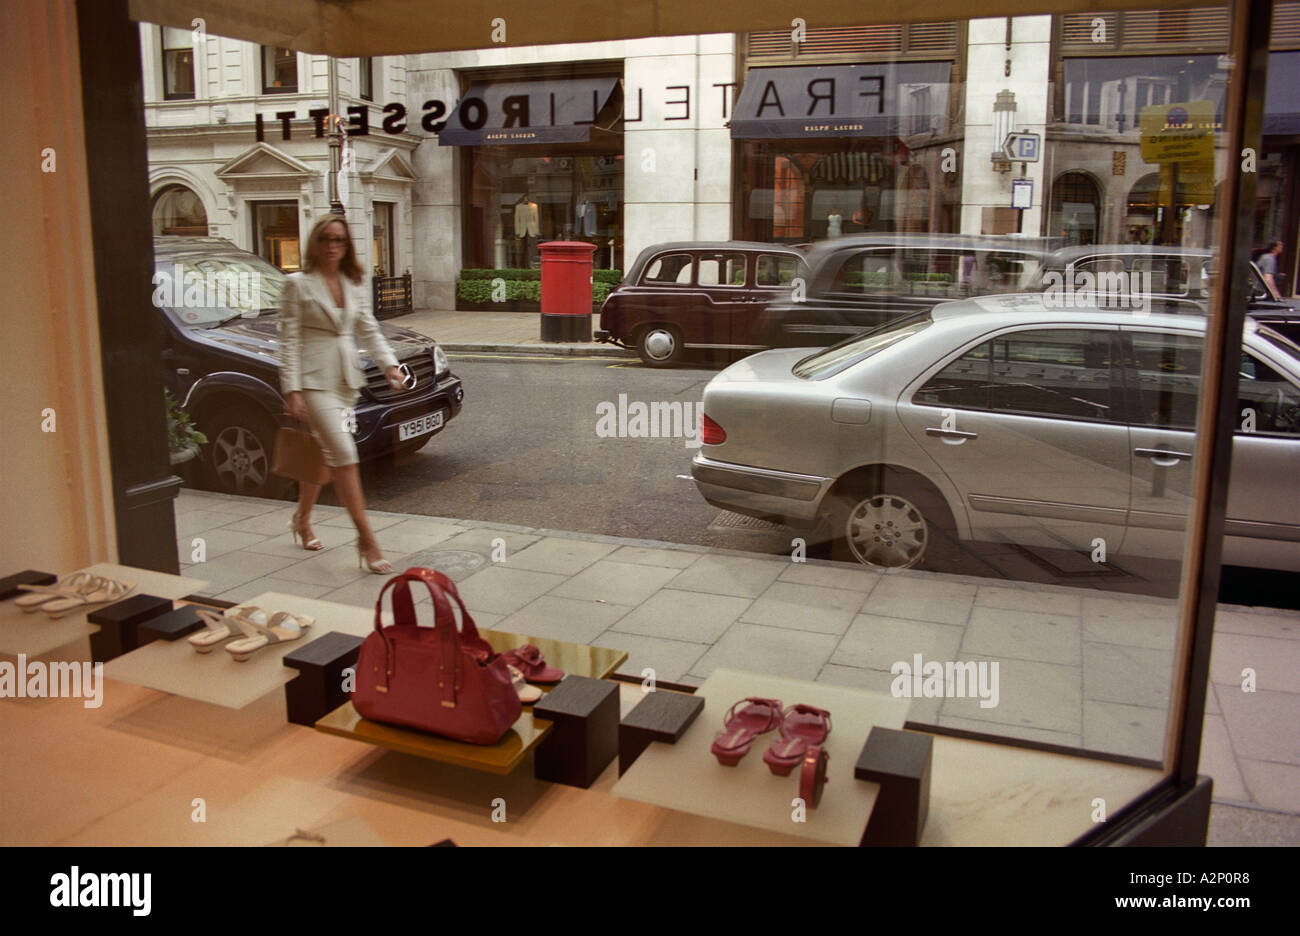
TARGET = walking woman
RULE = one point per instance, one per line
(322, 307)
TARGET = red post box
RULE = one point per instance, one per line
(566, 290)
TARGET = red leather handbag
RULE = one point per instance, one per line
(437, 679)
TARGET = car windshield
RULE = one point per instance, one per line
(860, 347)
(207, 292)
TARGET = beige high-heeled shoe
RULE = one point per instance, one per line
(298, 528)
(380, 566)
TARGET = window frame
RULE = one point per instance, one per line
(271, 89)
(164, 51)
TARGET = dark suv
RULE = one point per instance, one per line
(221, 360)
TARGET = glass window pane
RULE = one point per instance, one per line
(1063, 373)
(1164, 378)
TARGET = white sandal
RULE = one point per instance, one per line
(528, 694)
(97, 591)
(68, 586)
(283, 627)
(219, 627)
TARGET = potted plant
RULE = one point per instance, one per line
(183, 439)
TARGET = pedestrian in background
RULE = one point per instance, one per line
(323, 307)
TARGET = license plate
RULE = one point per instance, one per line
(418, 427)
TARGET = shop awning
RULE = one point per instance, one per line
(884, 100)
(502, 113)
(1281, 107)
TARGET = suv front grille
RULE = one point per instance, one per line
(421, 366)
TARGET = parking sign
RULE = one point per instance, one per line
(1022, 147)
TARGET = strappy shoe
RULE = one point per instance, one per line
(69, 586)
(529, 661)
(380, 566)
(98, 591)
(283, 627)
(745, 721)
(219, 627)
(527, 694)
(298, 530)
(802, 727)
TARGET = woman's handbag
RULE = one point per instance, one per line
(437, 679)
(297, 456)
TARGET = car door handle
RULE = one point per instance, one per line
(1170, 458)
(950, 433)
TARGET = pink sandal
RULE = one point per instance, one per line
(742, 726)
(529, 661)
(802, 727)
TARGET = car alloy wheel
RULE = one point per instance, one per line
(240, 460)
(659, 345)
(886, 531)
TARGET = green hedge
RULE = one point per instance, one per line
(611, 277)
(480, 290)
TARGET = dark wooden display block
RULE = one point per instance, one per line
(660, 716)
(9, 584)
(171, 626)
(119, 625)
(900, 762)
(585, 737)
(317, 690)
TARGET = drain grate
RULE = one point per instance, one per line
(726, 520)
(453, 563)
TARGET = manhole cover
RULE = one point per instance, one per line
(734, 521)
(454, 563)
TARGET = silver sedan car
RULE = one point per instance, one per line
(1002, 419)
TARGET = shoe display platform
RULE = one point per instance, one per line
(523, 737)
(35, 633)
(980, 791)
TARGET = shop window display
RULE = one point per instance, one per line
(973, 419)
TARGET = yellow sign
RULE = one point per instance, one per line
(1178, 132)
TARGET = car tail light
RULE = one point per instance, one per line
(710, 432)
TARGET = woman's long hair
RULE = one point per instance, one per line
(348, 266)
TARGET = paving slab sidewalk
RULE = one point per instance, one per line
(1076, 667)
(513, 332)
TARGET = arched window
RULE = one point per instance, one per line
(1075, 208)
(177, 210)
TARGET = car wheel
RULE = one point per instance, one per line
(237, 459)
(659, 345)
(887, 525)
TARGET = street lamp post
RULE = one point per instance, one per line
(336, 142)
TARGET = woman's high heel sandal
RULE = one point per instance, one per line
(380, 566)
(220, 627)
(298, 528)
(281, 628)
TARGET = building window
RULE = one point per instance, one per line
(382, 240)
(178, 211)
(275, 234)
(279, 70)
(366, 79)
(177, 64)
(1075, 205)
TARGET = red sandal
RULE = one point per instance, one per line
(813, 776)
(528, 660)
(802, 727)
(742, 726)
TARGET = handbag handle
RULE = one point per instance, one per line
(450, 639)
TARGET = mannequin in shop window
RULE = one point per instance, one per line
(586, 218)
(834, 224)
(526, 225)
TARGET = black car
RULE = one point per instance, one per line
(1174, 275)
(697, 294)
(860, 282)
(221, 361)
